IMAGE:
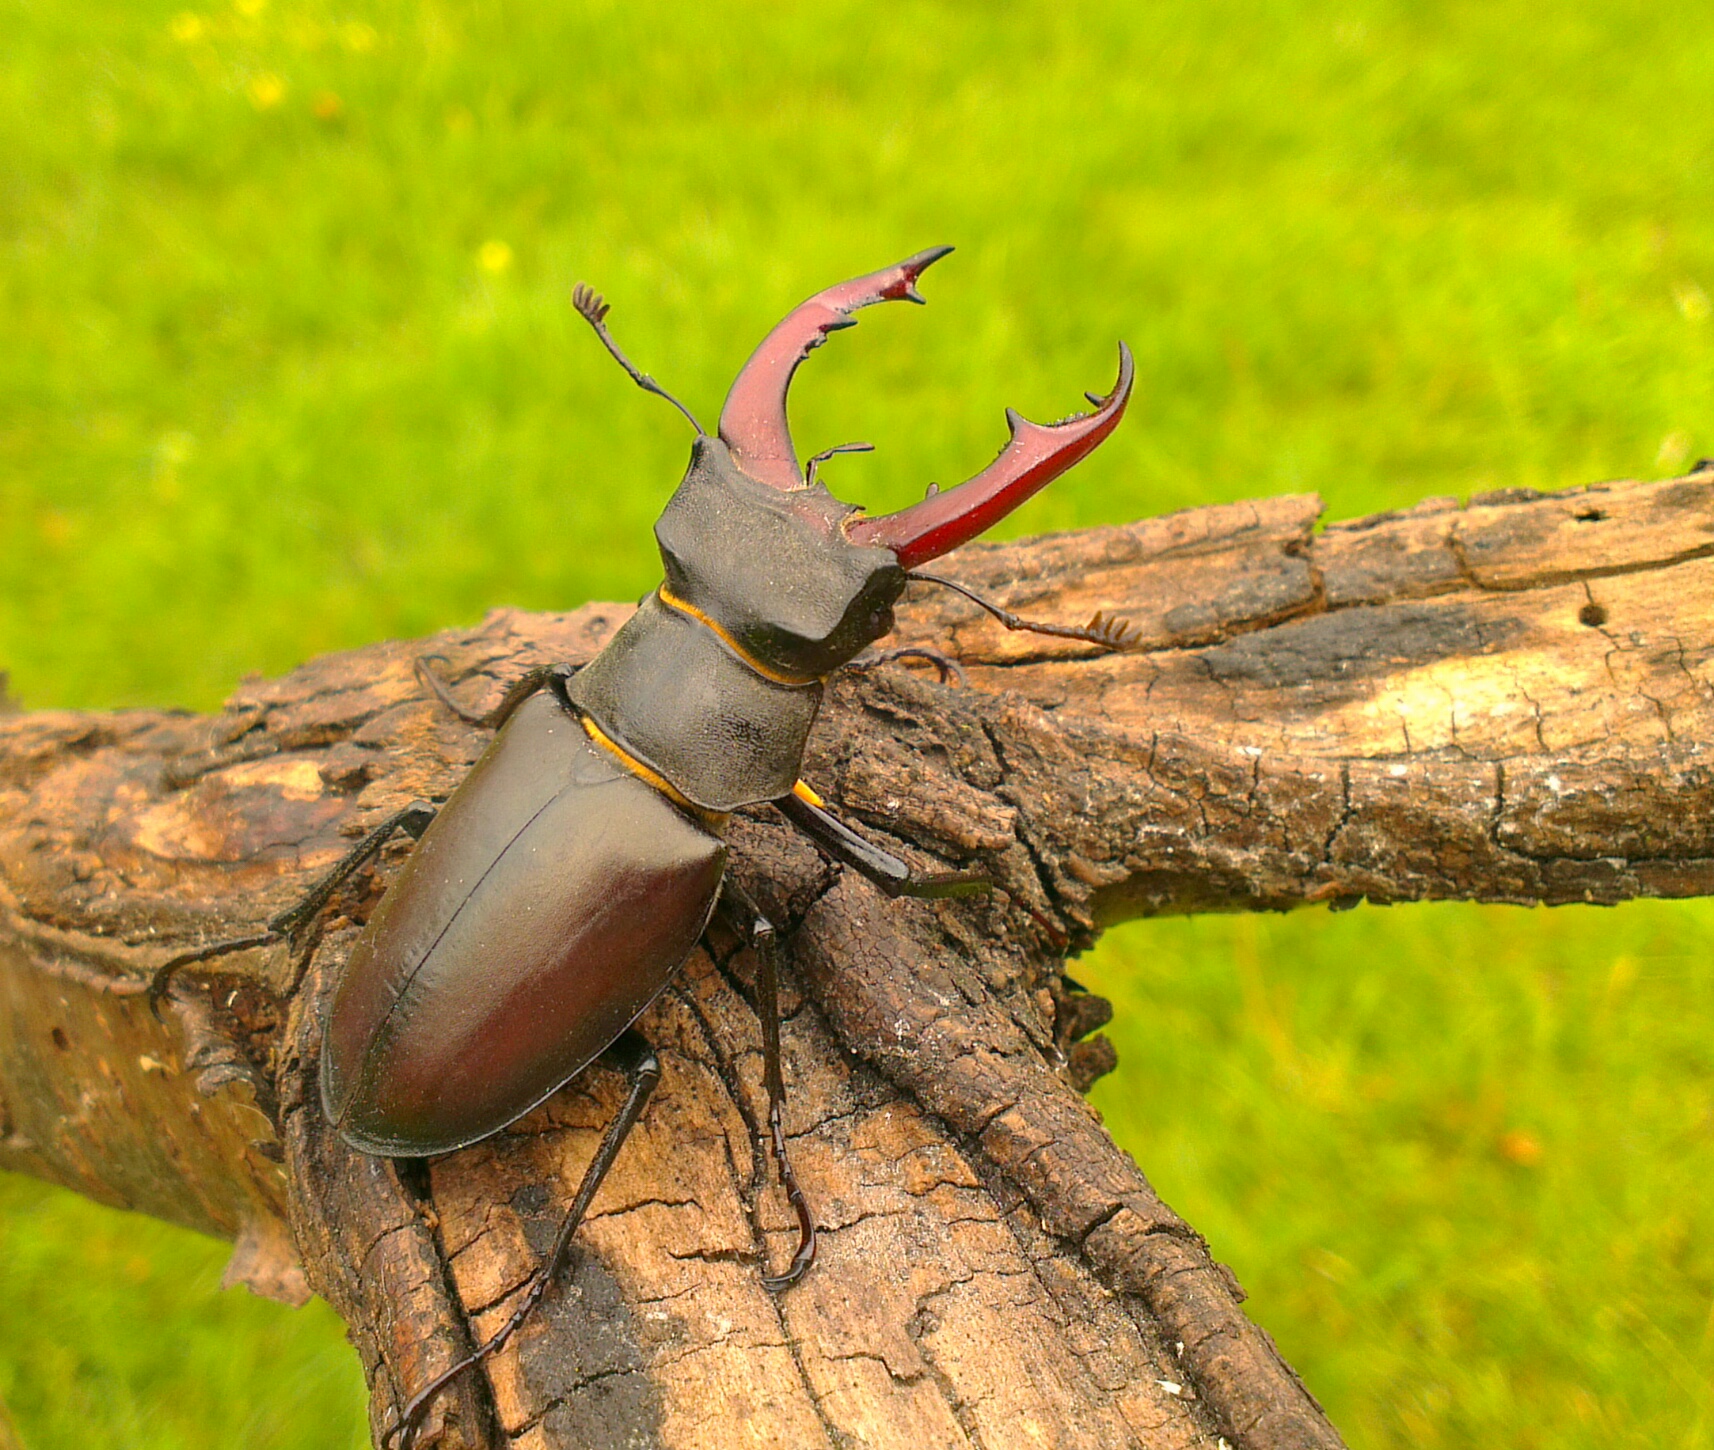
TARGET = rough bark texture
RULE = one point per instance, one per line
(1512, 701)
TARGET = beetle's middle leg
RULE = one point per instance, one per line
(631, 1054)
(413, 820)
(759, 934)
(542, 677)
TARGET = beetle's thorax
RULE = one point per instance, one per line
(714, 683)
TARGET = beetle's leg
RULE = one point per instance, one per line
(948, 667)
(1104, 629)
(413, 820)
(540, 678)
(632, 1055)
(761, 937)
(886, 870)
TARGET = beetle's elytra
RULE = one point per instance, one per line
(575, 868)
(549, 903)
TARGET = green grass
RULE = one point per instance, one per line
(267, 390)
(114, 1332)
(1458, 1155)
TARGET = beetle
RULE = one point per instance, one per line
(568, 877)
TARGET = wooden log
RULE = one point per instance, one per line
(1511, 701)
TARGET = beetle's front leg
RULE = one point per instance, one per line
(948, 668)
(758, 932)
(886, 870)
(413, 820)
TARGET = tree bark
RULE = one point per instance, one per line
(1511, 701)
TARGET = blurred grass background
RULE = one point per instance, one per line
(288, 366)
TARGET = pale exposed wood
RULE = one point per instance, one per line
(1512, 701)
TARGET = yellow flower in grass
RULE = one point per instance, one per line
(266, 91)
(1674, 450)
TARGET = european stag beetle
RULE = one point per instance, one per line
(588, 839)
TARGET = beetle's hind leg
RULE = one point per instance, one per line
(413, 820)
(632, 1055)
(886, 870)
(759, 934)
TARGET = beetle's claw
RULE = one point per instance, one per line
(157, 992)
(948, 668)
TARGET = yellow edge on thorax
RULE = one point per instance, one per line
(715, 820)
(672, 601)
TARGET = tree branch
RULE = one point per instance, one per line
(1512, 701)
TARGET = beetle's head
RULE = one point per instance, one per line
(799, 579)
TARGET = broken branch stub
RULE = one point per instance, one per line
(1512, 701)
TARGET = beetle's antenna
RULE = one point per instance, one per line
(594, 311)
(1107, 630)
(827, 453)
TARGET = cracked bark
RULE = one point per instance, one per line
(1512, 701)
